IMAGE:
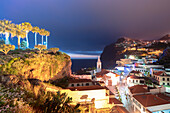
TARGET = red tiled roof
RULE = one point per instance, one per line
(159, 73)
(104, 72)
(150, 100)
(115, 101)
(134, 77)
(138, 89)
(79, 80)
(82, 88)
(121, 109)
(163, 96)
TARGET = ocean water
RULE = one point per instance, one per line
(77, 64)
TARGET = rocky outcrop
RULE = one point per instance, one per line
(45, 66)
(110, 55)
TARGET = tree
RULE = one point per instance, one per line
(26, 26)
(54, 50)
(47, 33)
(36, 30)
(5, 48)
(5, 24)
(42, 33)
(20, 34)
(23, 44)
(59, 103)
(40, 47)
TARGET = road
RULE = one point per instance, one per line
(123, 89)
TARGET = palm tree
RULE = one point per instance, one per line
(20, 34)
(47, 33)
(59, 103)
(36, 30)
(42, 33)
(5, 24)
(26, 26)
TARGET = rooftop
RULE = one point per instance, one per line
(115, 101)
(120, 109)
(82, 88)
(138, 89)
(79, 80)
(104, 72)
(159, 73)
(163, 96)
(150, 100)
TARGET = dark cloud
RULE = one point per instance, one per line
(89, 25)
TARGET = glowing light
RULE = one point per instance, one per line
(131, 57)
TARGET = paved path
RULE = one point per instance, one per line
(123, 89)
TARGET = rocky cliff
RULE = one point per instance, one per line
(31, 65)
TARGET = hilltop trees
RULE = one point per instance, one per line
(23, 44)
(40, 47)
(5, 48)
(8, 29)
(36, 30)
(54, 50)
(26, 26)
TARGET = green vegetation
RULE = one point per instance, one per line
(54, 50)
(40, 47)
(24, 44)
(5, 48)
(31, 65)
(23, 100)
(63, 82)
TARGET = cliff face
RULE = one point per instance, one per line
(118, 50)
(46, 66)
(110, 55)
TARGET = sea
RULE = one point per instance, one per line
(77, 64)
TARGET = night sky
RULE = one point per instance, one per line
(86, 26)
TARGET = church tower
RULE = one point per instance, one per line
(99, 65)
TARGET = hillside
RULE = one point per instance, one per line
(128, 46)
(33, 65)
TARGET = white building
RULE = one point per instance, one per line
(135, 80)
(99, 65)
(162, 78)
(149, 103)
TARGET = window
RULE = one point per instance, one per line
(78, 84)
(82, 84)
(133, 81)
(72, 85)
(87, 84)
(141, 81)
(163, 84)
(167, 79)
(163, 79)
(143, 109)
(168, 84)
(136, 80)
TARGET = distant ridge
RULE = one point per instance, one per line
(166, 37)
(117, 50)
